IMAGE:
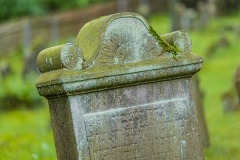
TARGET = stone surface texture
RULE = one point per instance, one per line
(199, 97)
(237, 82)
(117, 93)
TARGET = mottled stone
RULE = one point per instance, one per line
(122, 93)
(237, 82)
(199, 96)
(230, 98)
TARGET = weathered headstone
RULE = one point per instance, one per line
(230, 101)
(212, 8)
(230, 98)
(122, 92)
(144, 8)
(182, 18)
(174, 8)
(199, 95)
(237, 82)
(5, 69)
(27, 36)
(54, 29)
(122, 5)
(203, 11)
(188, 19)
(30, 65)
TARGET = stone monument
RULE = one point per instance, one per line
(237, 82)
(199, 96)
(231, 97)
(122, 92)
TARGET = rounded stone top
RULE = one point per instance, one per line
(114, 36)
(118, 49)
(115, 39)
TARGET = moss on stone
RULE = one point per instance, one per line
(174, 49)
(91, 36)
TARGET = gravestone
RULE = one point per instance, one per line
(237, 85)
(175, 9)
(144, 8)
(30, 66)
(188, 19)
(27, 36)
(199, 96)
(122, 92)
(5, 69)
(230, 101)
(182, 18)
(204, 16)
(237, 82)
(122, 5)
(230, 98)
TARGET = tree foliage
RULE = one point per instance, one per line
(17, 8)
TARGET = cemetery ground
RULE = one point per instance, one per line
(27, 134)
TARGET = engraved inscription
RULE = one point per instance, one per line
(150, 131)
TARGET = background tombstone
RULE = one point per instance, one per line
(203, 14)
(54, 29)
(230, 99)
(182, 18)
(5, 69)
(237, 82)
(27, 36)
(144, 8)
(30, 66)
(174, 7)
(122, 5)
(119, 93)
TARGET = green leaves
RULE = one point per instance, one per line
(17, 91)
(16, 8)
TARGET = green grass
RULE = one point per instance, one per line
(26, 134)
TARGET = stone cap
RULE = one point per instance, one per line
(115, 51)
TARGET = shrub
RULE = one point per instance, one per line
(15, 90)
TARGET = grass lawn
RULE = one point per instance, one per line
(26, 134)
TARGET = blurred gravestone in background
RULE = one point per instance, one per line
(118, 92)
(30, 65)
(199, 96)
(221, 42)
(5, 69)
(184, 16)
(144, 8)
(230, 99)
(122, 5)
(237, 82)
(189, 15)
(203, 14)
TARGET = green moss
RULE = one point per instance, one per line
(166, 46)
